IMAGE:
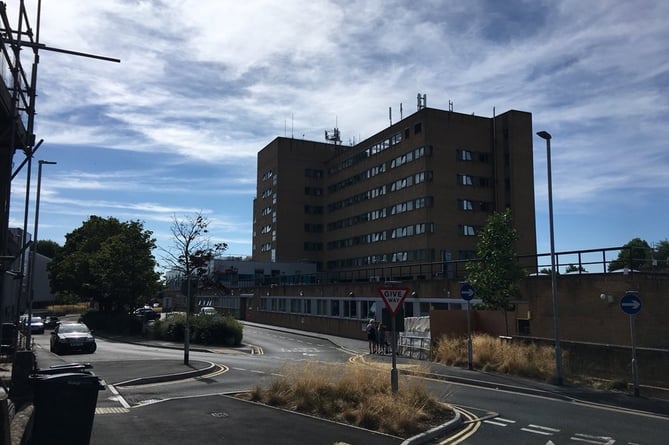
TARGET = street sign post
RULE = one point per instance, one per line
(467, 292)
(393, 297)
(630, 304)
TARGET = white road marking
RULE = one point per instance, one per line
(118, 397)
(598, 440)
(500, 421)
(538, 429)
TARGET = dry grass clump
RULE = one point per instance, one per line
(494, 354)
(356, 394)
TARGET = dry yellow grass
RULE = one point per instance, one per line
(356, 394)
(494, 354)
(68, 308)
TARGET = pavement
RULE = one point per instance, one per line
(237, 421)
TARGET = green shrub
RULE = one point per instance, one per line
(204, 330)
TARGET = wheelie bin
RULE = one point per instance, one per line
(64, 407)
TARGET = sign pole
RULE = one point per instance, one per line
(631, 304)
(635, 369)
(469, 339)
(467, 292)
(393, 297)
(394, 383)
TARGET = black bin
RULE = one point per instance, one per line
(64, 407)
(67, 367)
(9, 336)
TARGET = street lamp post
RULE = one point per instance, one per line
(33, 254)
(556, 318)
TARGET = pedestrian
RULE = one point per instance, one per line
(371, 336)
(383, 344)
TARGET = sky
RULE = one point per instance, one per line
(174, 129)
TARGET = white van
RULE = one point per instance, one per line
(208, 310)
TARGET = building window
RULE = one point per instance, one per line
(334, 308)
(417, 128)
(464, 155)
(468, 230)
(465, 204)
(311, 173)
(313, 191)
(268, 174)
(465, 180)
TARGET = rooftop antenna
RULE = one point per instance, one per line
(421, 101)
(390, 115)
(333, 137)
(450, 105)
(400, 110)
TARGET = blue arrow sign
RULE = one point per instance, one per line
(630, 303)
(467, 292)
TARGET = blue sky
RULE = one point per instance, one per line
(202, 86)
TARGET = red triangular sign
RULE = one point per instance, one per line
(393, 297)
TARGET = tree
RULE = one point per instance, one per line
(192, 250)
(636, 254)
(191, 255)
(108, 262)
(661, 255)
(573, 268)
(496, 272)
(47, 248)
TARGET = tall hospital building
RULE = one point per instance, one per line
(418, 191)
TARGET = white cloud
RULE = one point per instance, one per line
(203, 85)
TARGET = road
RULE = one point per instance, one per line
(496, 416)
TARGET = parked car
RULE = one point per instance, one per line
(69, 337)
(208, 310)
(36, 325)
(147, 313)
(50, 321)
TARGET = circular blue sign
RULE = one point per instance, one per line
(630, 303)
(467, 292)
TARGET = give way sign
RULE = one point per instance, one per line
(393, 297)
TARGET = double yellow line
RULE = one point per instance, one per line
(472, 424)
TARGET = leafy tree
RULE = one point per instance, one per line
(108, 262)
(661, 254)
(573, 268)
(47, 248)
(636, 254)
(496, 273)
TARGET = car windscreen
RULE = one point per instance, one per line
(67, 328)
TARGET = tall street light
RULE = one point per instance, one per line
(33, 254)
(556, 319)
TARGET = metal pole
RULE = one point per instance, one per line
(394, 385)
(187, 328)
(556, 318)
(635, 368)
(33, 254)
(469, 339)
